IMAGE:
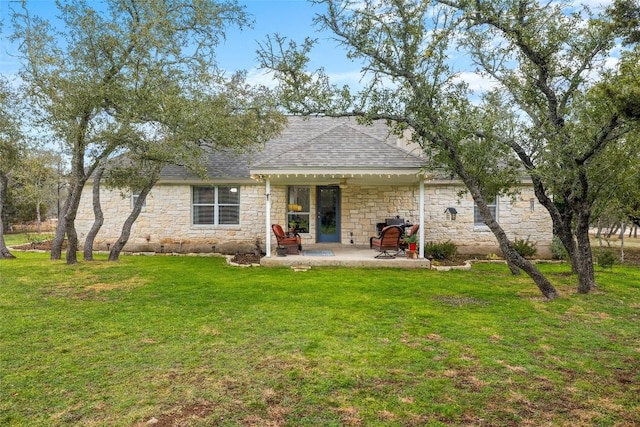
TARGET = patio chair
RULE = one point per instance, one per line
(293, 244)
(389, 240)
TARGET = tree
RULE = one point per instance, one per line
(241, 113)
(626, 15)
(11, 146)
(403, 47)
(37, 180)
(570, 122)
(92, 81)
(97, 214)
(149, 175)
(543, 112)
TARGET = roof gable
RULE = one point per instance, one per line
(341, 146)
(314, 143)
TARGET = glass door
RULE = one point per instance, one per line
(328, 204)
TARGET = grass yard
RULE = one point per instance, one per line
(190, 341)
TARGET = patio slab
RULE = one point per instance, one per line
(343, 255)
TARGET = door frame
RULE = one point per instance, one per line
(328, 238)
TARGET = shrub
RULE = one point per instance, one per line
(442, 250)
(36, 239)
(606, 259)
(558, 251)
(524, 247)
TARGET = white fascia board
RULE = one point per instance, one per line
(334, 172)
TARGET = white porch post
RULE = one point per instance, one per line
(267, 237)
(421, 229)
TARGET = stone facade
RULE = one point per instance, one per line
(522, 217)
(165, 223)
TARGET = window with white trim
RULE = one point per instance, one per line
(299, 208)
(216, 205)
(477, 217)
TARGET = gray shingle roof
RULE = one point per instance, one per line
(314, 143)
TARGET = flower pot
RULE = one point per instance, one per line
(412, 246)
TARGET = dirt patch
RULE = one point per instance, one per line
(182, 415)
(246, 259)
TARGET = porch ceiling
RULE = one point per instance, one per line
(322, 177)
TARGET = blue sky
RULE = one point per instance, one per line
(290, 18)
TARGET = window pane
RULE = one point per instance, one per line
(300, 196)
(299, 221)
(203, 214)
(229, 215)
(228, 195)
(203, 195)
(477, 218)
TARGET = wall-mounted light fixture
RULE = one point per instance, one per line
(451, 213)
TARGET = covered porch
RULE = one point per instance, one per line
(344, 209)
(333, 180)
(347, 255)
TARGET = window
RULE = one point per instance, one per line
(493, 207)
(299, 208)
(216, 205)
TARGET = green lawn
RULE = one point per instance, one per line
(191, 341)
(15, 239)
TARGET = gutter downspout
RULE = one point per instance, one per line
(267, 237)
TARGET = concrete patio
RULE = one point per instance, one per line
(343, 255)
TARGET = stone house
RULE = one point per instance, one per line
(332, 179)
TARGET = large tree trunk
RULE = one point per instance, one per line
(514, 259)
(61, 229)
(70, 222)
(584, 270)
(99, 217)
(114, 254)
(4, 251)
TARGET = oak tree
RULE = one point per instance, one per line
(115, 73)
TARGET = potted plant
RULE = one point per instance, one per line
(411, 241)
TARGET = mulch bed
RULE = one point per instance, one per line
(41, 246)
(246, 259)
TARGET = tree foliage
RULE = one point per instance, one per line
(121, 73)
(11, 148)
(543, 115)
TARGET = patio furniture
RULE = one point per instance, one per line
(394, 221)
(293, 244)
(389, 240)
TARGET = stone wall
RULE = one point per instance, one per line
(519, 217)
(363, 207)
(165, 223)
